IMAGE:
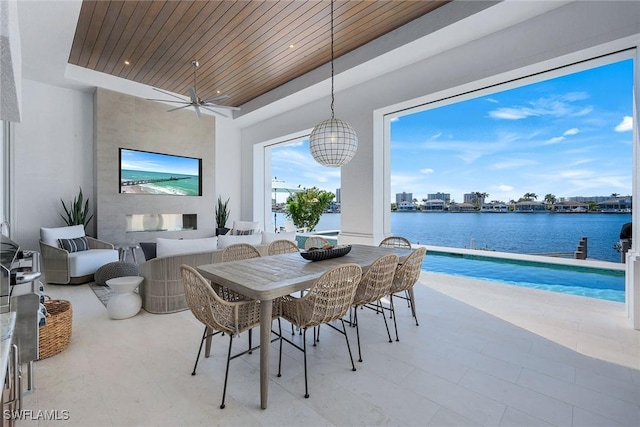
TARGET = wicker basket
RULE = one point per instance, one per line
(56, 334)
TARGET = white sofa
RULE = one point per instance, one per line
(162, 290)
(79, 261)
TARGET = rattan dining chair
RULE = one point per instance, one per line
(239, 251)
(375, 284)
(216, 314)
(395, 242)
(235, 252)
(278, 247)
(404, 279)
(316, 242)
(328, 299)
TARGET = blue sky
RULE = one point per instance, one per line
(157, 162)
(569, 136)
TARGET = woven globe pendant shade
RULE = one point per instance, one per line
(333, 143)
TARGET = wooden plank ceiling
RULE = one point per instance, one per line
(245, 48)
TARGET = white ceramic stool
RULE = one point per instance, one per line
(124, 303)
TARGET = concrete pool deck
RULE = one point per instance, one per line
(593, 327)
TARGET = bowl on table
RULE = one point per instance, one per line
(319, 254)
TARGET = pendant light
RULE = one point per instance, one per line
(333, 142)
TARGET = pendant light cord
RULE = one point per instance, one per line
(332, 97)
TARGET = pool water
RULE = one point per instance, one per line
(588, 282)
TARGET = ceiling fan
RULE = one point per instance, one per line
(195, 101)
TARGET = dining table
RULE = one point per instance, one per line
(270, 277)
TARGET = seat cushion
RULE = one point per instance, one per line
(88, 262)
(51, 235)
(170, 247)
(252, 239)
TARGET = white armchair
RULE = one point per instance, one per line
(77, 263)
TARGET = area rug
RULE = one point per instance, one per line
(102, 292)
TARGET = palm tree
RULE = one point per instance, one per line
(550, 200)
(529, 196)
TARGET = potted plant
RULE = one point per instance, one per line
(305, 207)
(222, 215)
(77, 213)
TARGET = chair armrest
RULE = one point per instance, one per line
(98, 244)
(55, 263)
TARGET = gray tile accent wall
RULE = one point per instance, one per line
(129, 122)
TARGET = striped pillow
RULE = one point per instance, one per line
(74, 245)
(243, 232)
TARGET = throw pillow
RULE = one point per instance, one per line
(239, 226)
(148, 249)
(170, 247)
(226, 240)
(50, 236)
(243, 232)
(270, 237)
(78, 244)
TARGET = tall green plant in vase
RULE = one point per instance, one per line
(222, 216)
(77, 213)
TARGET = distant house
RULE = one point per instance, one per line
(403, 197)
(407, 206)
(529, 206)
(568, 206)
(433, 205)
(494, 208)
(616, 205)
(462, 207)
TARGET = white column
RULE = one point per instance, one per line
(632, 277)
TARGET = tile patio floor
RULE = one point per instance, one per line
(484, 354)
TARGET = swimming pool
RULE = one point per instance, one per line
(589, 282)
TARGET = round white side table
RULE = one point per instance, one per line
(124, 303)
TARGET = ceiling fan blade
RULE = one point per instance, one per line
(197, 110)
(216, 112)
(226, 107)
(179, 108)
(168, 93)
(169, 100)
(194, 97)
(215, 98)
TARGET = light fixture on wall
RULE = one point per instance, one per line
(333, 142)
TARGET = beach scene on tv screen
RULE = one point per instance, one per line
(143, 172)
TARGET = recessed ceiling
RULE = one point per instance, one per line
(245, 48)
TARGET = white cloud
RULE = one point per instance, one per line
(554, 106)
(436, 136)
(579, 162)
(426, 170)
(625, 125)
(492, 100)
(577, 173)
(554, 140)
(511, 113)
(395, 119)
(572, 131)
(513, 163)
(503, 187)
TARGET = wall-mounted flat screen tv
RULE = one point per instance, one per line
(144, 172)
